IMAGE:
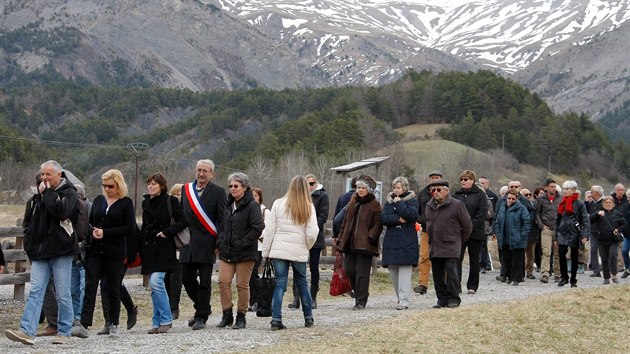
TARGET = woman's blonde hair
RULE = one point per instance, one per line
(176, 189)
(299, 200)
(116, 176)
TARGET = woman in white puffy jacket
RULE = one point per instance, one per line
(290, 232)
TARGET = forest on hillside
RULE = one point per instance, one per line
(485, 111)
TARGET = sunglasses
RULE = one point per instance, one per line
(512, 187)
(511, 198)
(528, 194)
(108, 186)
(433, 190)
(233, 186)
(311, 183)
(464, 179)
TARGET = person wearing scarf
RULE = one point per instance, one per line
(572, 227)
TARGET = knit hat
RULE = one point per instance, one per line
(367, 182)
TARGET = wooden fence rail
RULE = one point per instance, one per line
(20, 276)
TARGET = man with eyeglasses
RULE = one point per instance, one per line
(448, 226)
(534, 235)
(424, 263)
(204, 207)
(546, 215)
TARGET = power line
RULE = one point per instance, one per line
(58, 143)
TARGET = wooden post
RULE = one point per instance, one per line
(18, 289)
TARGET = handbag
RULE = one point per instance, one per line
(265, 286)
(617, 234)
(182, 238)
(340, 283)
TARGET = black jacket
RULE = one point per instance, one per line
(606, 224)
(44, 237)
(321, 204)
(202, 243)
(238, 241)
(159, 253)
(476, 203)
(423, 198)
(118, 224)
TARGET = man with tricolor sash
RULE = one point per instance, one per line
(204, 207)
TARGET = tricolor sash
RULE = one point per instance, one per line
(197, 208)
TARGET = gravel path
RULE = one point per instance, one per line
(331, 314)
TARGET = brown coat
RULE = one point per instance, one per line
(448, 225)
(361, 227)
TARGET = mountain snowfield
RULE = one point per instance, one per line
(506, 35)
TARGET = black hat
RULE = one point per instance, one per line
(439, 183)
(435, 173)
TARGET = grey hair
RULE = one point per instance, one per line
(570, 184)
(206, 162)
(598, 189)
(241, 178)
(55, 165)
(404, 182)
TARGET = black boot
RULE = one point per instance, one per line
(240, 321)
(295, 304)
(227, 318)
(314, 291)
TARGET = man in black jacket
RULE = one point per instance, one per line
(51, 245)
(484, 256)
(204, 209)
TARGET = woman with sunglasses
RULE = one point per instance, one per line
(476, 202)
(112, 220)
(512, 226)
(238, 248)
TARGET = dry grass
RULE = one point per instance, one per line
(9, 214)
(583, 321)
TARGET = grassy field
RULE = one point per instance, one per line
(592, 321)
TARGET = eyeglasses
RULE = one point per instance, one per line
(108, 186)
(528, 194)
(233, 186)
(311, 183)
(464, 179)
(511, 198)
(512, 187)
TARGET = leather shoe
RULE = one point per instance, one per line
(574, 285)
(544, 279)
(420, 289)
(625, 274)
(437, 306)
(501, 279)
(452, 305)
(47, 332)
(309, 322)
(277, 325)
(164, 328)
(191, 321)
(358, 307)
(132, 317)
(596, 275)
(563, 282)
(199, 324)
(530, 276)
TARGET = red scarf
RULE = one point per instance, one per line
(566, 204)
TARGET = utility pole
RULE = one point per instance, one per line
(137, 149)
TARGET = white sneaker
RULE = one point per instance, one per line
(113, 331)
(61, 340)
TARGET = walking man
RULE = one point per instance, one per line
(448, 226)
(51, 244)
(204, 207)
(424, 264)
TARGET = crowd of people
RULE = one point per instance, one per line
(76, 245)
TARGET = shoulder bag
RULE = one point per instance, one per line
(182, 238)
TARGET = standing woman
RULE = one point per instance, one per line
(112, 220)
(475, 199)
(572, 227)
(512, 226)
(173, 280)
(358, 238)
(400, 245)
(158, 246)
(290, 232)
(253, 291)
(238, 248)
(609, 223)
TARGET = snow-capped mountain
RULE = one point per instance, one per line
(343, 37)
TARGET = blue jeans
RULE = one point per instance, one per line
(77, 288)
(41, 270)
(281, 269)
(161, 306)
(625, 250)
